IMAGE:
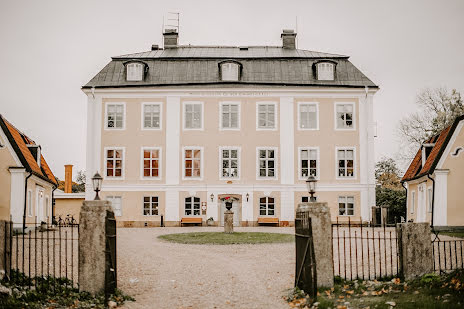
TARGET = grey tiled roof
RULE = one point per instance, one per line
(199, 66)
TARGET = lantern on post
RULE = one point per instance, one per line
(97, 182)
(311, 186)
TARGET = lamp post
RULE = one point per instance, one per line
(311, 186)
(97, 182)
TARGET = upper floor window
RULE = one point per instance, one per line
(230, 115)
(114, 158)
(193, 115)
(266, 115)
(266, 206)
(267, 163)
(116, 203)
(115, 115)
(192, 163)
(308, 116)
(230, 162)
(134, 71)
(345, 158)
(192, 206)
(344, 115)
(345, 205)
(308, 162)
(150, 205)
(230, 71)
(151, 162)
(325, 71)
(151, 116)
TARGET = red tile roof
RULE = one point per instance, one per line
(416, 170)
(19, 142)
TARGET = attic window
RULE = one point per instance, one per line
(230, 71)
(134, 71)
(325, 71)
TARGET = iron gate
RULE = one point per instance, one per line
(111, 265)
(305, 274)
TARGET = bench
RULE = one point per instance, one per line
(191, 220)
(268, 220)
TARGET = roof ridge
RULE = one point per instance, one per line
(19, 131)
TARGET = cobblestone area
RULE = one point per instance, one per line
(168, 275)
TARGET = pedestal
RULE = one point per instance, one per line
(228, 221)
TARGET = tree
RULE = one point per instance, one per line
(79, 185)
(389, 191)
(437, 109)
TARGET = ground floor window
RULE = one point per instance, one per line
(192, 206)
(346, 205)
(150, 205)
(116, 203)
(266, 206)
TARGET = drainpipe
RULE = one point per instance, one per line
(53, 202)
(25, 201)
(433, 196)
(406, 214)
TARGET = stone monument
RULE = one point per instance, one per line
(228, 219)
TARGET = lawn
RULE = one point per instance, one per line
(453, 234)
(220, 238)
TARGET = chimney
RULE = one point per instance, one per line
(170, 38)
(68, 178)
(288, 39)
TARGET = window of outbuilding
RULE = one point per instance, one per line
(230, 71)
(325, 71)
(135, 71)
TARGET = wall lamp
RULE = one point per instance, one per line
(212, 197)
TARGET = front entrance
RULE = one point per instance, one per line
(235, 208)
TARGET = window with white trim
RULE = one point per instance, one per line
(134, 71)
(345, 118)
(345, 158)
(193, 115)
(413, 201)
(150, 205)
(151, 116)
(325, 71)
(267, 162)
(308, 162)
(308, 116)
(430, 198)
(116, 203)
(151, 162)
(266, 206)
(266, 115)
(192, 163)
(115, 116)
(230, 162)
(230, 71)
(29, 203)
(345, 205)
(230, 113)
(114, 162)
(192, 206)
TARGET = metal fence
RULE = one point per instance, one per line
(364, 252)
(448, 252)
(43, 250)
(305, 272)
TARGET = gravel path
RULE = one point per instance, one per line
(159, 274)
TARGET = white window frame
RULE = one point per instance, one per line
(299, 116)
(429, 199)
(346, 205)
(276, 163)
(192, 202)
(318, 162)
(227, 78)
(160, 162)
(353, 128)
(201, 162)
(239, 150)
(123, 116)
(355, 174)
(150, 209)
(142, 121)
(111, 198)
(325, 63)
(122, 159)
(29, 203)
(267, 206)
(184, 119)
(139, 65)
(258, 128)
(221, 124)
(413, 202)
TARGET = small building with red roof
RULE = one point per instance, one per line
(26, 181)
(435, 179)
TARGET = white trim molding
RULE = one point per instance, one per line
(440, 212)
(450, 145)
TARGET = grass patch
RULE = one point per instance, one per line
(430, 291)
(220, 238)
(453, 234)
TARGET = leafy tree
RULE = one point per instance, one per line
(76, 186)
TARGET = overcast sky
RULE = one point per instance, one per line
(49, 49)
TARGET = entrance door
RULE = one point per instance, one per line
(234, 208)
(39, 205)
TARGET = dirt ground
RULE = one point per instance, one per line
(159, 274)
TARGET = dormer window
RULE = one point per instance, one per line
(325, 71)
(135, 71)
(230, 71)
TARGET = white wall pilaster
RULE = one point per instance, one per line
(287, 141)
(172, 206)
(172, 140)
(18, 176)
(93, 146)
(440, 211)
(287, 206)
(247, 207)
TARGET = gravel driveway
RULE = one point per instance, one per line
(159, 274)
